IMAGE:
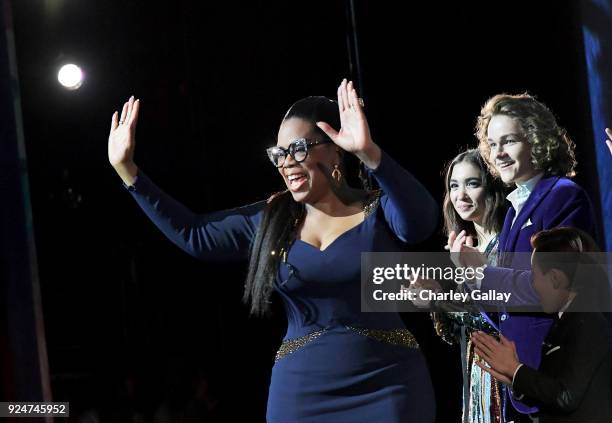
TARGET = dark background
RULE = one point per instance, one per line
(130, 320)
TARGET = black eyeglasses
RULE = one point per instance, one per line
(298, 150)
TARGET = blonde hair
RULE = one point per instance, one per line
(552, 150)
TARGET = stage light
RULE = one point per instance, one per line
(70, 76)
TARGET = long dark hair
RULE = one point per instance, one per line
(282, 214)
(495, 209)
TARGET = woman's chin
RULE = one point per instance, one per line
(300, 193)
(467, 216)
(300, 196)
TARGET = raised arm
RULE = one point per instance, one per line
(409, 209)
(224, 235)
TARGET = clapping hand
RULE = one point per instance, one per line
(500, 355)
(463, 252)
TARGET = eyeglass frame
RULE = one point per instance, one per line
(288, 151)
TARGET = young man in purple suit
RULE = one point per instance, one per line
(523, 144)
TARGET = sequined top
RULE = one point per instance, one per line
(482, 395)
(335, 362)
(448, 325)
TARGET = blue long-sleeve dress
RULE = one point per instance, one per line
(336, 363)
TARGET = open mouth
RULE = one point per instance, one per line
(505, 165)
(296, 180)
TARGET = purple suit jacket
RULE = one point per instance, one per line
(554, 202)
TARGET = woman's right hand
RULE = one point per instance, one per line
(122, 141)
(463, 252)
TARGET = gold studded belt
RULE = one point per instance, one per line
(399, 337)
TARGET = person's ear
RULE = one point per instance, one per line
(558, 278)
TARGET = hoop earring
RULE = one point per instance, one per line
(336, 174)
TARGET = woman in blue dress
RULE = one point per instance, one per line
(336, 363)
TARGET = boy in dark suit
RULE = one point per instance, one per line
(573, 381)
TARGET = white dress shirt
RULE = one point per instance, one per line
(518, 197)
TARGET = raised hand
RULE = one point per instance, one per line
(354, 134)
(463, 252)
(122, 141)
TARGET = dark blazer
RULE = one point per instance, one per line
(555, 201)
(573, 381)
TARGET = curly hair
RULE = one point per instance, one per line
(552, 150)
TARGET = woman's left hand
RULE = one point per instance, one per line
(354, 135)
